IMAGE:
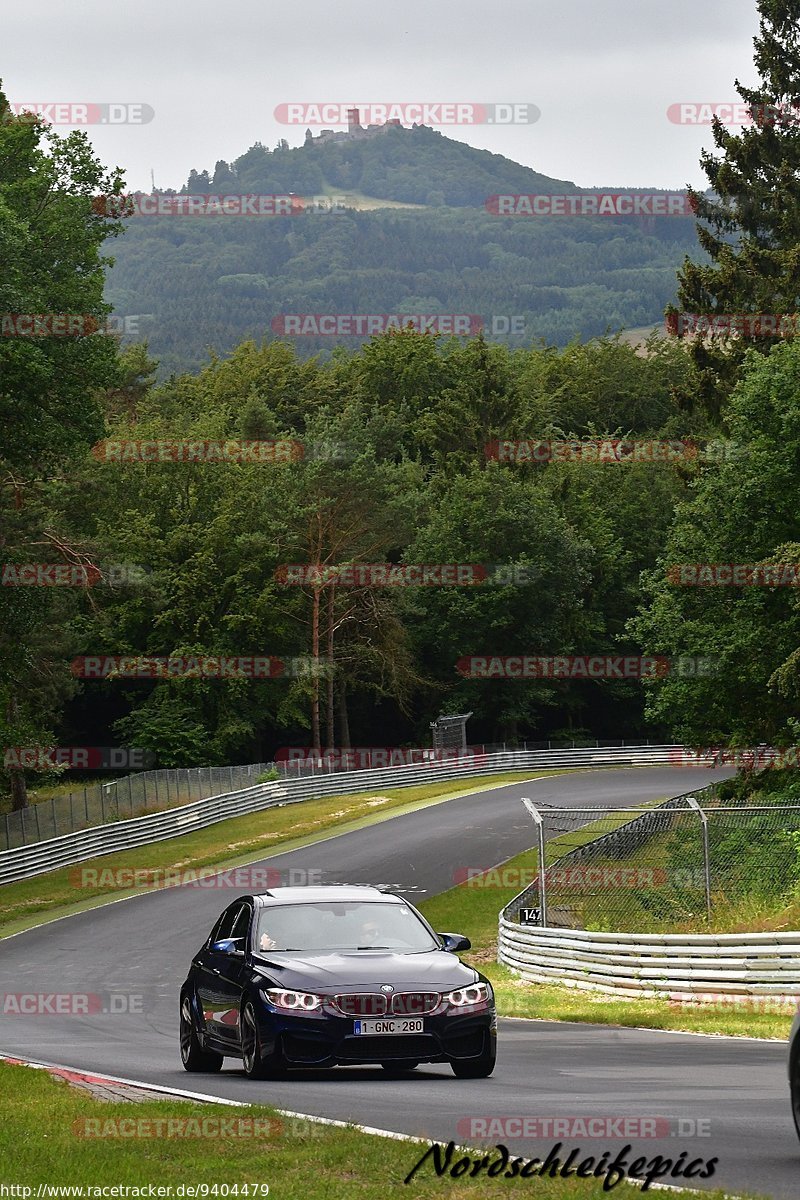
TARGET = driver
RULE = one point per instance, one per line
(369, 933)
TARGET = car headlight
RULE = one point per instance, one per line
(298, 1002)
(468, 997)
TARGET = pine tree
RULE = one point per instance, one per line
(751, 229)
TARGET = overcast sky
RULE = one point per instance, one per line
(602, 74)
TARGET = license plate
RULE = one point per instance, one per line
(393, 1025)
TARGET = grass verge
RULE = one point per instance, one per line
(231, 843)
(43, 1142)
(473, 909)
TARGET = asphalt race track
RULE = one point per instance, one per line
(736, 1090)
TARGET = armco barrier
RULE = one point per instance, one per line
(27, 861)
(675, 966)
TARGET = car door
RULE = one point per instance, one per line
(218, 974)
(232, 974)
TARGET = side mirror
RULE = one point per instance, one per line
(229, 946)
(455, 942)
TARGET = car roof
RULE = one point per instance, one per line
(323, 892)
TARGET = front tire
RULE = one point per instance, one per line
(256, 1065)
(475, 1068)
(794, 1084)
(193, 1056)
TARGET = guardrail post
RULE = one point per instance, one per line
(537, 816)
(690, 800)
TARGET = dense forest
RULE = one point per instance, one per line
(198, 285)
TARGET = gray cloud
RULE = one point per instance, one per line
(602, 74)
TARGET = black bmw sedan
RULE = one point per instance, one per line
(326, 976)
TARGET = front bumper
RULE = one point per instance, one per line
(330, 1041)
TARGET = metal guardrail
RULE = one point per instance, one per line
(26, 862)
(142, 793)
(672, 966)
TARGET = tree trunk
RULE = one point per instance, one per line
(16, 776)
(315, 731)
(344, 719)
(19, 789)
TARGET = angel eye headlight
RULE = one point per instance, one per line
(468, 997)
(298, 1002)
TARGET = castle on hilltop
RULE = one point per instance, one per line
(354, 129)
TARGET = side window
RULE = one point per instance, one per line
(224, 926)
(241, 925)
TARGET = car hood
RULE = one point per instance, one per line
(366, 970)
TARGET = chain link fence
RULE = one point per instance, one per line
(685, 864)
(117, 800)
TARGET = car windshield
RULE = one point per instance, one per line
(342, 925)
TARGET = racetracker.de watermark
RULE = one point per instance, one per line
(356, 758)
(585, 666)
(256, 878)
(78, 758)
(744, 758)
(341, 325)
(726, 1002)
(590, 204)
(591, 450)
(508, 1127)
(195, 451)
(67, 325)
(173, 204)
(205, 1128)
(69, 1004)
(71, 574)
(77, 113)
(201, 1128)
(406, 574)
(683, 324)
(193, 666)
(731, 112)
(407, 112)
(245, 204)
(580, 878)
